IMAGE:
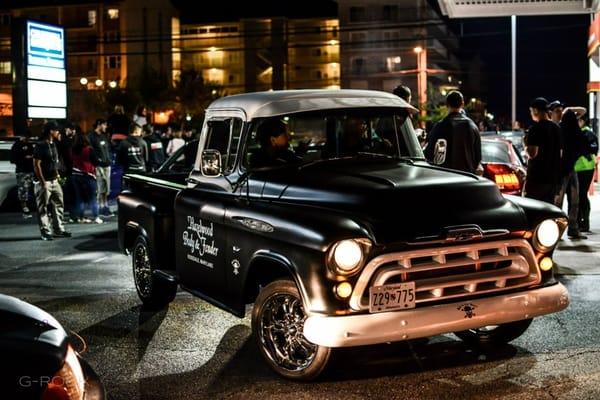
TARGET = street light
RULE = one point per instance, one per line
(112, 84)
(98, 82)
(83, 81)
(422, 78)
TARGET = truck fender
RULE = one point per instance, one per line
(278, 266)
(132, 231)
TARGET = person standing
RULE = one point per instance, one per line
(84, 178)
(585, 166)
(140, 116)
(101, 145)
(156, 152)
(48, 193)
(118, 124)
(544, 146)
(455, 141)
(21, 154)
(574, 144)
(64, 146)
(175, 143)
(133, 151)
(403, 92)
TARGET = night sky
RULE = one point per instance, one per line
(551, 59)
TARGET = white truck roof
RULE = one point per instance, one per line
(274, 103)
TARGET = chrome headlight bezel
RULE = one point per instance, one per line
(548, 228)
(364, 245)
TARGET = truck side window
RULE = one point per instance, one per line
(224, 136)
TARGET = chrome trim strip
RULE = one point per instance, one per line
(365, 329)
(523, 266)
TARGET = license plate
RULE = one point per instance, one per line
(400, 296)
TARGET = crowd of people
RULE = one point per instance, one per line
(560, 145)
(67, 169)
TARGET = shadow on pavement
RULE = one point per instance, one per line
(102, 241)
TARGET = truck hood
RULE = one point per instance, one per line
(396, 200)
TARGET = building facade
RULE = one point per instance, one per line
(382, 40)
(110, 45)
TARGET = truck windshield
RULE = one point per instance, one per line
(308, 137)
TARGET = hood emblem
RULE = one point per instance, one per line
(463, 234)
(468, 309)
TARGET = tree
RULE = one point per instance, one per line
(191, 95)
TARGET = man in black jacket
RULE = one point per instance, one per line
(455, 141)
(156, 152)
(132, 153)
(101, 144)
(21, 154)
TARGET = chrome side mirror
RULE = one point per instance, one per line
(211, 163)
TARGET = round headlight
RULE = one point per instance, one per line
(347, 255)
(547, 233)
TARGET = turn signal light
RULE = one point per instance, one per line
(546, 264)
(343, 290)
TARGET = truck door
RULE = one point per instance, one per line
(200, 231)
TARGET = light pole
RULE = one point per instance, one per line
(422, 79)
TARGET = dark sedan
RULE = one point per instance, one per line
(38, 359)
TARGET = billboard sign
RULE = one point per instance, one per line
(46, 74)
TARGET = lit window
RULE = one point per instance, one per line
(91, 17)
(112, 62)
(113, 13)
(4, 67)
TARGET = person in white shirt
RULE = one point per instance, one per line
(175, 143)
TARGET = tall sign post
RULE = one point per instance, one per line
(40, 76)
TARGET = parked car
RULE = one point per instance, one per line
(517, 138)
(38, 359)
(8, 177)
(502, 165)
(354, 240)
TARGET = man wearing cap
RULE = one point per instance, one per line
(455, 141)
(48, 193)
(544, 145)
(101, 145)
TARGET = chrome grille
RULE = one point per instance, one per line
(452, 271)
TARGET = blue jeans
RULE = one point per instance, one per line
(570, 187)
(85, 194)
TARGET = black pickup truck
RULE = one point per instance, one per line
(351, 239)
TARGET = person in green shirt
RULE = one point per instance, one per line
(584, 167)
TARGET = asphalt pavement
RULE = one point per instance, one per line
(194, 350)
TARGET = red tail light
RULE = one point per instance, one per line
(504, 176)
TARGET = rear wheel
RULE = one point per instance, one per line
(494, 334)
(152, 291)
(278, 323)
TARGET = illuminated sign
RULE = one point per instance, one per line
(46, 71)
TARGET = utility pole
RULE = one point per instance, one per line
(513, 30)
(422, 78)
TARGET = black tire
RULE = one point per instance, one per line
(494, 335)
(285, 348)
(152, 291)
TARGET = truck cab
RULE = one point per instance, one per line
(342, 235)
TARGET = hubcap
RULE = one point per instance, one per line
(142, 271)
(281, 327)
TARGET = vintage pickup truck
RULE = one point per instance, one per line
(354, 240)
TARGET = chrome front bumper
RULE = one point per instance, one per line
(365, 329)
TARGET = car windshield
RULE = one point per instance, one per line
(494, 152)
(309, 137)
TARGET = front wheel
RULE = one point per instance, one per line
(494, 334)
(154, 292)
(278, 324)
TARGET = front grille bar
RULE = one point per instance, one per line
(471, 269)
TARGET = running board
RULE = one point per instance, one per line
(166, 275)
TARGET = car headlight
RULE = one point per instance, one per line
(546, 235)
(68, 382)
(348, 256)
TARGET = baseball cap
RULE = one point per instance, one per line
(51, 126)
(539, 103)
(555, 104)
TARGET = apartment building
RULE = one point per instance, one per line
(110, 44)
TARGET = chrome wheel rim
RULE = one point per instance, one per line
(142, 271)
(281, 333)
